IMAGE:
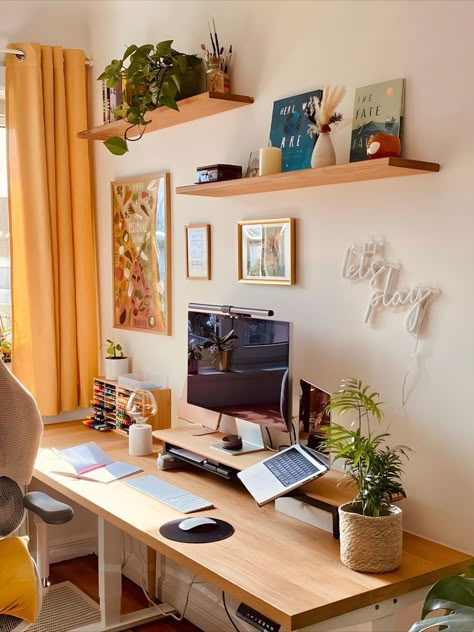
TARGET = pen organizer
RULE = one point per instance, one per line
(217, 79)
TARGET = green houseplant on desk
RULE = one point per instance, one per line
(116, 362)
(370, 525)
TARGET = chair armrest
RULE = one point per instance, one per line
(50, 510)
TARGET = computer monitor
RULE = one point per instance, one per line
(251, 381)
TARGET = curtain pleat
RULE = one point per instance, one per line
(52, 227)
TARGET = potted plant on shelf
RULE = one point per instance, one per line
(370, 525)
(5, 338)
(147, 77)
(194, 355)
(220, 348)
(116, 363)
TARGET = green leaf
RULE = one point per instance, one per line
(456, 596)
(131, 49)
(169, 102)
(116, 145)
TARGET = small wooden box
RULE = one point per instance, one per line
(217, 173)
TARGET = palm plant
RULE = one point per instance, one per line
(375, 467)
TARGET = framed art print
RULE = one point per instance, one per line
(141, 253)
(198, 251)
(267, 251)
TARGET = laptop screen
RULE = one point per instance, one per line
(313, 416)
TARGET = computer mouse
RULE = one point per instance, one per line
(192, 524)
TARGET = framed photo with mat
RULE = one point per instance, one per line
(266, 251)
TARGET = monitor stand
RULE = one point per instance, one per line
(252, 438)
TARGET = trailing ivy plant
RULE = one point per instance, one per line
(374, 467)
(150, 77)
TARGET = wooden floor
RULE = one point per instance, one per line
(82, 572)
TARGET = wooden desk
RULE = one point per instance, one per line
(282, 567)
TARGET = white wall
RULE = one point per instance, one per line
(427, 221)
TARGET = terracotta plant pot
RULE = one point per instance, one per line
(368, 544)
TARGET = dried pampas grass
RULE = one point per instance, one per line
(332, 97)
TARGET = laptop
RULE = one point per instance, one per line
(282, 472)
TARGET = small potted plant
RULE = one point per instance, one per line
(5, 338)
(370, 525)
(147, 77)
(116, 363)
(220, 348)
(194, 355)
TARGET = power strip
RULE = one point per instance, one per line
(256, 619)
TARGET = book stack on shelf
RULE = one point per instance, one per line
(111, 97)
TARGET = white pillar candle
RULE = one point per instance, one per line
(269, 161)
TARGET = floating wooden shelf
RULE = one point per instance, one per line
(337, 174)
(198, 106)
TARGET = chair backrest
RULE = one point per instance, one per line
(12, 510)
(21, 427)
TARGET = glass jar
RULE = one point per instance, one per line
(217, 79)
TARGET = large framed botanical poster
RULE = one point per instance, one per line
(141, 253)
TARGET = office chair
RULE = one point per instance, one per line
(20, 430)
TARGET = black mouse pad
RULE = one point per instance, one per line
(205, 533)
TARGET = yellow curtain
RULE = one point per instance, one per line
(54, 302)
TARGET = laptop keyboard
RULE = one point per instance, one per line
(169, 494)
(290, 467)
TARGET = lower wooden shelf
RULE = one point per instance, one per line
(337, 174)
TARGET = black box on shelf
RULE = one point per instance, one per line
(216, 173)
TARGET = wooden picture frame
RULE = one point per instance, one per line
(266, 251)
(141, 247)
(198, 251)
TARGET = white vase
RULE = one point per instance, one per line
(115, 367)
(323, 153)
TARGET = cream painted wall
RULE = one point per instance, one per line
(282, 49)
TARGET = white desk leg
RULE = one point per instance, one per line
(110, 587)
(110, 573)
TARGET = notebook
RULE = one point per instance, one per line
(282, 472)
(89, 462)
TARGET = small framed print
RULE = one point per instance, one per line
(198, 251)
(267, 251)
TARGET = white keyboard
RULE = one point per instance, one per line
(169, 494)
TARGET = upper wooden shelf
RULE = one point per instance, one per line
(337, 174)
(198, 106)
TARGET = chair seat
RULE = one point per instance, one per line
(49, 510)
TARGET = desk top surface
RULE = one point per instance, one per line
(283, 567)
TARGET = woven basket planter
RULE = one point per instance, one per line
(370, 545)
